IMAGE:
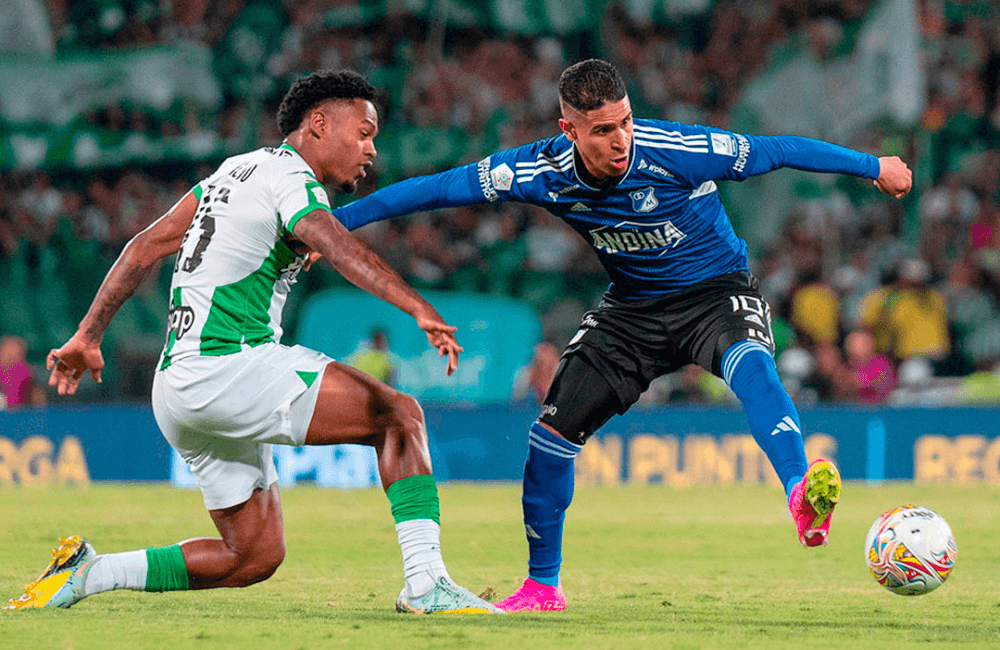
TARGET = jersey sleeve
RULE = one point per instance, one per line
(491, 179)
(710, 154)
(296, 194)
(447, 189)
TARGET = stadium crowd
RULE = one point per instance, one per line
(871, 301)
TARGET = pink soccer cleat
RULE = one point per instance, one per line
(536, 597)
(812, 502)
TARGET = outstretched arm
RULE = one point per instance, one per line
(733, 156)
(366, 270)
(83, 351)
(448, 189)
(890, 173)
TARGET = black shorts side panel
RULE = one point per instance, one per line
(631, 343)
(579, 400)
(747, 316)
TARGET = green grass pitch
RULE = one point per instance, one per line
(644, 567)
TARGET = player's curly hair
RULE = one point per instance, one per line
(307, 92)
(590, 84)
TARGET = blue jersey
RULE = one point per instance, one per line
(658, 229)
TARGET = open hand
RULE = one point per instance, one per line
(442, 336)
(69, 362)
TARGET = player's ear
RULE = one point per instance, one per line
(568, 128)
(318, 121)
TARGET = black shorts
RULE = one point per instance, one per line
(622, 346)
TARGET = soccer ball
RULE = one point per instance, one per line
(910, 550)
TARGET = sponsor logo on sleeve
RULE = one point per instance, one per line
(485, 183)
(723, 144)
(744, 152)
(502, 177)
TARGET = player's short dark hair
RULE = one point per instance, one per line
(590, 84)
(308, 92)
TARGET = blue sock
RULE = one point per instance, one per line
(548, 491)
(748, 368)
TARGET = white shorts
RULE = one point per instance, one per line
(223, 413)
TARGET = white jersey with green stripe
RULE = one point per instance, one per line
(235, 265)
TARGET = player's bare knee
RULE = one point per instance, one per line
(261, 562)
(408, 419)
(269, 563)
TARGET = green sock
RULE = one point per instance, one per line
(414, 497)
(167, 571)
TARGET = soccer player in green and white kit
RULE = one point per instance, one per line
(226, 389)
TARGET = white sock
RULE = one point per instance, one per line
(423, 566)
(117, 571)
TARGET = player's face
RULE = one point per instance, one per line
(350, 135)
(603, 136)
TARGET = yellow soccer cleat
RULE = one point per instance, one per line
(61, 584)
(812, 502)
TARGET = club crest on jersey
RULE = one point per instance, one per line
(644, 200)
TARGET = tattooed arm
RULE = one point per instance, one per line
(83, 351)
(366, 270)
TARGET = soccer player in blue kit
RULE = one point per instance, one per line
(643, 194)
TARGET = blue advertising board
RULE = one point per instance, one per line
(670, 446)
(337, 321)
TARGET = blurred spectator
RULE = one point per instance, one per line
(25, 29)
(795, 365)
(815, 376)
(504, 250)
(17, 382)
(909, 318)
(533, 380)
(831, 379)
(41, 199)
(947, 213)
(852, 281)
(107, 24)
(551, 246)
(970, 310)
(981, 387)
(80, 253)
(431, 259)
(815, 310)
(951, 201)
(374, 358)
(460, 234)
(872, 377)
(915, 374)
(984, 232)
(695, 385)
